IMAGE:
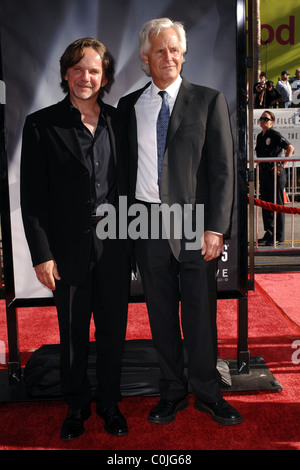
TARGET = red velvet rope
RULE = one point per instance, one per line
(270, 206)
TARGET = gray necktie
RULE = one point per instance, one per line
(161, 130)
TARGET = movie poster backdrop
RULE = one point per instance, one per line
(34, 35)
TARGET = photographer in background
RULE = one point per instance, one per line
(259, 91)
(272, 96)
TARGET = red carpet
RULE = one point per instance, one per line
(283, 290)
(271, 420)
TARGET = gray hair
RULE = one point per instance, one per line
(154, 28)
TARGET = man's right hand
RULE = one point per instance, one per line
(47, 273)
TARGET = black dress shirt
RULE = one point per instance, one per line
(99, 159)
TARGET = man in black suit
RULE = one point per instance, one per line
(68, 169)
(197, 170)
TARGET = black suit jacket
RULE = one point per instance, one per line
(198, 165)
(55, 190)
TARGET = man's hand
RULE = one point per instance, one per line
(212, 245)
(47, 273)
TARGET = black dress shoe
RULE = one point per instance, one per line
(271, 243)
(115, 423)
(266, 238)
(165, 410)
(221, 411)
(72, 427)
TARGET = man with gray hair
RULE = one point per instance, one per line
(179, 146)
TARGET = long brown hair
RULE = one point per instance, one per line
(74, 53)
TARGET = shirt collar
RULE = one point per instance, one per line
(77, 115)
(172, 90)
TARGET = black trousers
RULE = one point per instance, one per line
(104, 294)
(165, 281)
(266, 178)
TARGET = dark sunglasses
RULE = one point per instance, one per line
(265, 119)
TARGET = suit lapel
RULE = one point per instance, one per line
(180, 108)
(132, 129)
(112, 138)
(64, 127)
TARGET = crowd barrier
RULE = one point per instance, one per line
(291, 166)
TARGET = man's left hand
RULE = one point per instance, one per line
(212, 245)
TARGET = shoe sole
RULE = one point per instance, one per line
(122, 433)
(226, 422)
(109, 430)
(168, 419)
(71, 438)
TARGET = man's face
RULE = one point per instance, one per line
(86, 77)
(164, 58)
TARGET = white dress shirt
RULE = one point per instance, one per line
(147, 109)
